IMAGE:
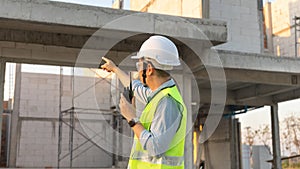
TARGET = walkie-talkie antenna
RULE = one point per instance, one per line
(128, 93)
(130, 87)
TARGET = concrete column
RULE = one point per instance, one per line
(15, 126)
(261, 25)
(275, 137)
(218, 148)
(235, 143)
(187, 97)
(269, 29)
(184, 82)
(2, 79)
(205, 9)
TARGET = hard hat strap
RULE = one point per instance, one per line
(144, 73)
(144, 77)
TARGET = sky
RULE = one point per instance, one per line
(108, 3)
(262, 116)
(258, 117)
(103, 3)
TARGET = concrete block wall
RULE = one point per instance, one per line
(39, 95)
(187, 8)
(283, 13)
(260, 157)
(192, 8)
(246, 155)
(39, 112)
(87, 154)
(242, 17)
(89, 93)
(38, 144)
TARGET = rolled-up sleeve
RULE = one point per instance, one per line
(164, 126)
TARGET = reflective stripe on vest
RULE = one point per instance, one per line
(166, 160)
(174, 157)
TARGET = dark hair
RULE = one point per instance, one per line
(159, 72)
(162, 73)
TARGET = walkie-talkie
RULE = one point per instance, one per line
(128, 93)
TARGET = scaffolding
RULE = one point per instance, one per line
(297, 30)
(75, 119)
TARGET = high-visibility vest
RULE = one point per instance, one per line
(173, 158)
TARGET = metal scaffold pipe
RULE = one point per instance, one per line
(297, 29)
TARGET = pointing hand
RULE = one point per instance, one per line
(109, 65)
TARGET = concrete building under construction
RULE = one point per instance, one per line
(70, 119)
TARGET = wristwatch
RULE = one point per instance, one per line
(133, 122)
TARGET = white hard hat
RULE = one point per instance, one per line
(161, 51)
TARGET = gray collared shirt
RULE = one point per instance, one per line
(166, 120)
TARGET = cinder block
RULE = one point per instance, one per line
(28, 96)
(246, 10)
(231, 2)
(29, 46)
(253, 33)
(54, 49)
(33, 102)
(25, 79)
(16, 53)
(42, 81)
(24, 103)
(247, 3)
(229, 12)
(52, 92)
(68, 57)
(31, 87)
(45, 86)
(250, 18)
(7, 44)
(215, 13)
(53, 81)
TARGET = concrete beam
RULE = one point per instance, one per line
(256, 76)
(205, 98)
(252, 61)
(275, 137)
(258, 91)
(51, 13)
(290, 95)
(56, 55)
(70, 40)
(43, 38)
(236, 86)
